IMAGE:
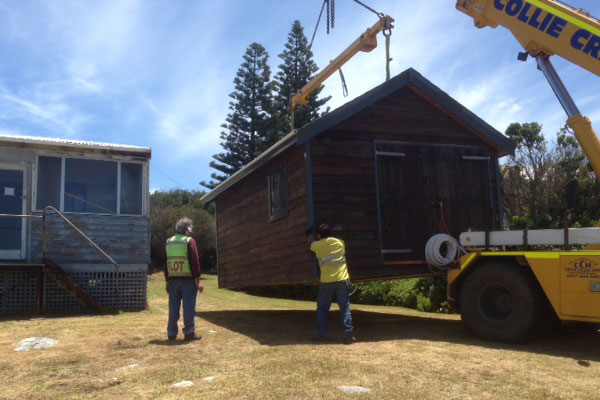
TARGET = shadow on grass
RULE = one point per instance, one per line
(40, 315)
(166, 342)
(285, 327)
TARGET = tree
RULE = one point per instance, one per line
(296, 71)
(249, 126)
(573, 170)
(526, 175)
(537, 179)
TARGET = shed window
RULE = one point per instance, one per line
(278, 194)
(90, 186)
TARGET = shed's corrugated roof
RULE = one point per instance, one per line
(74, 143)
(318, 126)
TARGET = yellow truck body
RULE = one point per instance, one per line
(503, 294)
(570, 279)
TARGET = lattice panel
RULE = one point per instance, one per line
(101, 285)
(17, 291)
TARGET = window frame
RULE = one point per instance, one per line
(285, 210)
(94, 157)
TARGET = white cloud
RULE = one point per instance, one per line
(158, 74)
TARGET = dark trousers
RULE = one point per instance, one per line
(341, 292)
(182, 290)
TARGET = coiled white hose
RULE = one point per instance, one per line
(433, 247)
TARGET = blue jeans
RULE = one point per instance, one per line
(186, 290)
(324, 298)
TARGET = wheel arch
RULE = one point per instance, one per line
(478, 261)
(550, 315)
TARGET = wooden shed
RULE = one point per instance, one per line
(100, 188)
(388, 170)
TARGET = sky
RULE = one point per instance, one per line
(158, 73)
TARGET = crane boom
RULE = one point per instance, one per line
(490, 306)
(366, 42)
(545, 28)
(542, 27)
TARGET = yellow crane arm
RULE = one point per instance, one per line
(366, 42)
(542, 27)
(545, 28)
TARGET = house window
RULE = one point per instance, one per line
(131, 188)
(48, 182)
(89, 186)
(278, 194)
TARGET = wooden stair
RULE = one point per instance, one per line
(71, 286)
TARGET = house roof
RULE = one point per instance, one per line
(44, 142)
(411, 78)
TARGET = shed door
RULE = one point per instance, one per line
(12, 230)
(417, 184)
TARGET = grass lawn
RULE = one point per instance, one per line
(260, 348)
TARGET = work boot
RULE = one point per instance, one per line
(172, 337)
(192, 336)
(349, 340)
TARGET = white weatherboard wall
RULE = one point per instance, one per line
(126, 238)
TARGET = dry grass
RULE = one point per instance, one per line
(260, 349)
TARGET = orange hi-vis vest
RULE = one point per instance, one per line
(178, 263)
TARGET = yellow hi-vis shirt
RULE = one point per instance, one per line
(331, 253)
(178, 263)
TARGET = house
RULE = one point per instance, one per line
(389, 169)
(102, 189)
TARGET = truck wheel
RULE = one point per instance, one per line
(501, 301)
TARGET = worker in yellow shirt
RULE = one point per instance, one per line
(335, 281)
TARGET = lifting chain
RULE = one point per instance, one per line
(330, 4)
(387, 33)
(317, 25)
(380, 15)
(344, 87)
(330, 14)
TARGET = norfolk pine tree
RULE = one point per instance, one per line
(296, 71)
(248, 129)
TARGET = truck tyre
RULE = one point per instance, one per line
(501, 301)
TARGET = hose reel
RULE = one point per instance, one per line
(433, 251)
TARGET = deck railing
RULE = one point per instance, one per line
(90, 241)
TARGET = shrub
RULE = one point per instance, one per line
(424, 294)
(166, 208)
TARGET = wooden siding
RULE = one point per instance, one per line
(124, 238)
(252, 250)
(345, 184)
(406, 116)
(426, 183)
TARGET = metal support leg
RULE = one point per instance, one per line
(558, 87)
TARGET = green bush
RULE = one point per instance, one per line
(424, 294)
(372, 292)
(166, 208)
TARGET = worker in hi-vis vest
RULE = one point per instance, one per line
(183, 280)
(335, 281)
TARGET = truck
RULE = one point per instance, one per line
(506, 295)
(502, 295)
